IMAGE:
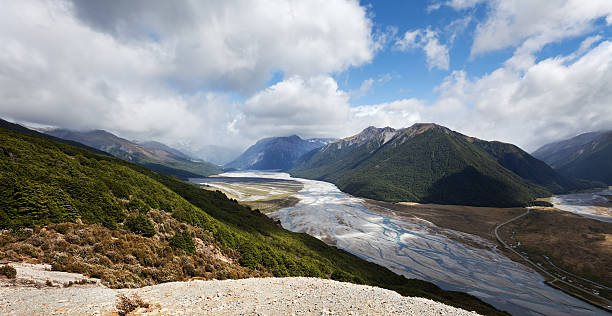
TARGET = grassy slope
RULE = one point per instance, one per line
(42, 182)
(431, 167)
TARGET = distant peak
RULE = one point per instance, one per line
(418, 128)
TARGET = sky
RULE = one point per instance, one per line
(227, 73)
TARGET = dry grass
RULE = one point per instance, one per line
(126, 305)
(577, 244)
(8, 271)
(273, 205)
(122, 259)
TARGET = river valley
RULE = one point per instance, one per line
(417, 248)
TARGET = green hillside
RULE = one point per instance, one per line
(425, 163)
(108, 218)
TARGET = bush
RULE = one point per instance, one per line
(8, 271)
(126, 305)
(140, 224)
(541, 203)
(137, 204)
(183, 241)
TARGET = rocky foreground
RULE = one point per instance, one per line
(38, 291)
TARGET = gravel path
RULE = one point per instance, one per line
(267, 296)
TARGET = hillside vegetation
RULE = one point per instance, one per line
(424, 163)
(137, 224)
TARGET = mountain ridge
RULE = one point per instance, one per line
(275, 153)
(430, 163)
(586, 156)
(154, 155)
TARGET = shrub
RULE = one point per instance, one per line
(541, 203)
(137, 204)
(140, 224)
(8, 271)
(126, 305)
(183, 241)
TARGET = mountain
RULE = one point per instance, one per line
(160, 146)
(275, 153)
(114, 220)
(153, 155)
(432, 164)
(528, 167)
(24, 130)
(586, 156)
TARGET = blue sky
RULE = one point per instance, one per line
(227, 73)
(411, 77)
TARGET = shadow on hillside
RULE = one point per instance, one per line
(466, 187)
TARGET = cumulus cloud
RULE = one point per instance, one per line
(553, 99)
(533, 24)
(436, 54)
(170, 71)
(188, 75)
(311, 107)
(236, 44)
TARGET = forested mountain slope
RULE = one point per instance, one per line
(432, 164)
(586, 156)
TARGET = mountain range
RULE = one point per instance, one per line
(133, 227)
(153, 155)
(432, 164)
(586, 156)
(275, 153)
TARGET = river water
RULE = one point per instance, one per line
(595, 205)
(416, 250)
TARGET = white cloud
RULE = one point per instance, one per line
(455, 4)
(365, 87)
(236, 44)
(409, 40)
(155, 69)
(552, 99)
(383, 38)
(310, 107)
(549, 100)
(532, 24)
(436, 54)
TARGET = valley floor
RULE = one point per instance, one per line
(451, 246)
(29, 295)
